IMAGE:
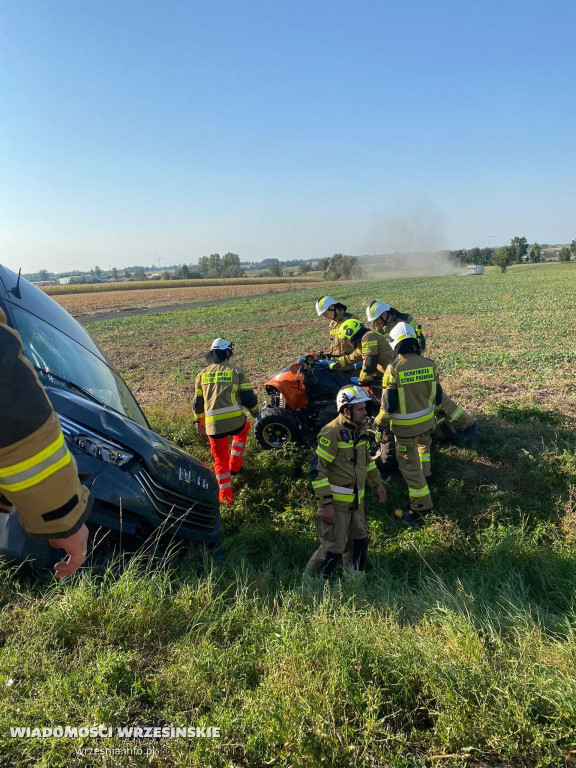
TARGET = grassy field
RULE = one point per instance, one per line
(459, 647)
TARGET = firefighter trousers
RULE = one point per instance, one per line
(413, 454)
(336, 539)
(228, 459)
(454, 415)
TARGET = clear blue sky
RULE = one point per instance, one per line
(132, 129)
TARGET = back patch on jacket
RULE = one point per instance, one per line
(217, 377)
(414, 376)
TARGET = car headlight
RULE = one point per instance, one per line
(94, 444)
(101, 449)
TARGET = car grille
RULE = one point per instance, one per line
(175, 506)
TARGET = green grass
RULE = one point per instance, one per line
(461, 640)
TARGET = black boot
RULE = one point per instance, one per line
(330, 562)
(359, 554)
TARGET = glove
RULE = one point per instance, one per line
(354, 380)
(258, 416)
(200, 428)
(324, 363)
(357, 366)
(381, 436)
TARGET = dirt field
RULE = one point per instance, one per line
(82, 305)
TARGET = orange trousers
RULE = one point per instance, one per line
(227, 460)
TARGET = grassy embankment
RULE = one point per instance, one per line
(458, 649)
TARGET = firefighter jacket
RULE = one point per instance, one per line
(38, 474)
(220, 392)
(344, 465)
(340, 346)
(377, 355)
(412, 394)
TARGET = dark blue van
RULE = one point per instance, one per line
(141, 483)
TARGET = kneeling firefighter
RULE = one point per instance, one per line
(344, 467)
(219, 415)
(336, 314)
(38, 474)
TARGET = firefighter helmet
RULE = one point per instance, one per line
(324, 303)
(375, 309)
(222, 344)
(400, 332)
(350, 329)
(351, 395)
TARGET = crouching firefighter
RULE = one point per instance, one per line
(409, 401)
(220, 392)
(344, 467)
(38, 474)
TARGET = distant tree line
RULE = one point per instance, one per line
(505, 255)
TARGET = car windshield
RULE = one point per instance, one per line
(52, 351)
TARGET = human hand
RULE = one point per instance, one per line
(328, 514)
(354, 379)
(382, 495)
(200, 428)
(76, 547)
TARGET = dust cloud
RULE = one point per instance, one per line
(408, 245)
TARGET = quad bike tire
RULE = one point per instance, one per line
(276, 429)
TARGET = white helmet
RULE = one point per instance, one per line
(221, 343)
(376, 309)
(350, 395)
(400, 332)
(324, 303)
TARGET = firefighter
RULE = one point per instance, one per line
(409, 401)
(38, 474)
(344, 467)
(336, 314)
(372, 354)
(218, 413)
(455, 419)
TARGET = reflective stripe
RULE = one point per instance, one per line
(341, 489)
(388, 379)
(320, 483)
(223, 477)
(324, 454)
(225, 485)
(414, 415)
(424, 457)
(432, 398)
(236, 453)
(224, 416)
(457, 413)
(416, 493)
(345, 445)
(227, 409)
(371, 466)
(32, 471)
(341, 493)
(246, 386)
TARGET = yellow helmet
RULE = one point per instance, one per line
(349, 329)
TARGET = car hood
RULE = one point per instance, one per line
(163, 459)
